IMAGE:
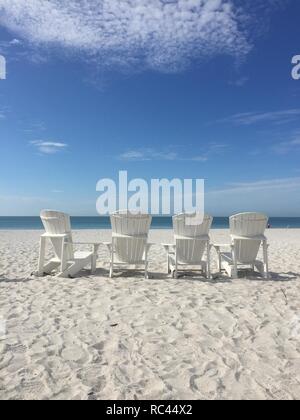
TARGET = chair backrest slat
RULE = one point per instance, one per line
(189, 235)
(130, 234)
(247, 225)
(58, 223)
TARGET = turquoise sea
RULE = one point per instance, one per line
(34, 223)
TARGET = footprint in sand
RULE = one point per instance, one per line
(32, 390)
(193, 384)
(17, 349)
(73, 353)
(280, 394)
(99, 347)
(90, 377)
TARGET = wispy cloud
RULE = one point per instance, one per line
(163, 35)
(33, 127)
(239, 82)
(15, 41)
(20, 205)
(275, 117)
(292, 145)
(274, 196)
(169, 154)
(261, 185)
(48, 147)
(9, 44)
(21, 50)
(148, 154)
(3, 112)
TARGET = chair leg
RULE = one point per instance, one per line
(93, 263)
(146, 264)
(111, 271)
(94, 259)
(63, 265)
(175, 273)
(41, 263)
(146, 272)
(208, 272)
(219, 262)
(234, 272)
(266, 261)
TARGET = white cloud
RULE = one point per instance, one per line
(282, 184)
(169, 154)
(276, 117)
(148, 154)
(162, 35)
(49, 147)
(32, 126)
(15, 41)
(292, 145)
(3, 112)
(239, 82)
(5, 46)
(275, 197)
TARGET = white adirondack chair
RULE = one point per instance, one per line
(247, 236)
(191, 242)
(129, 246)
(66, 262)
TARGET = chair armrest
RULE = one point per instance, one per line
(109, 245)
(95, 245)
(88, 243)
(221, 245)
(53, 235)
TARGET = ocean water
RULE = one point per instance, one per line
(34, 223)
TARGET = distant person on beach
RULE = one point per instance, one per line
(269, 226)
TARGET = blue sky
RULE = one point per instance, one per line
(187, 89)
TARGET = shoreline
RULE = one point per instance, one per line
(151, 229)
(158, 223)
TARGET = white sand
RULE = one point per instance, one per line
(93, 337)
